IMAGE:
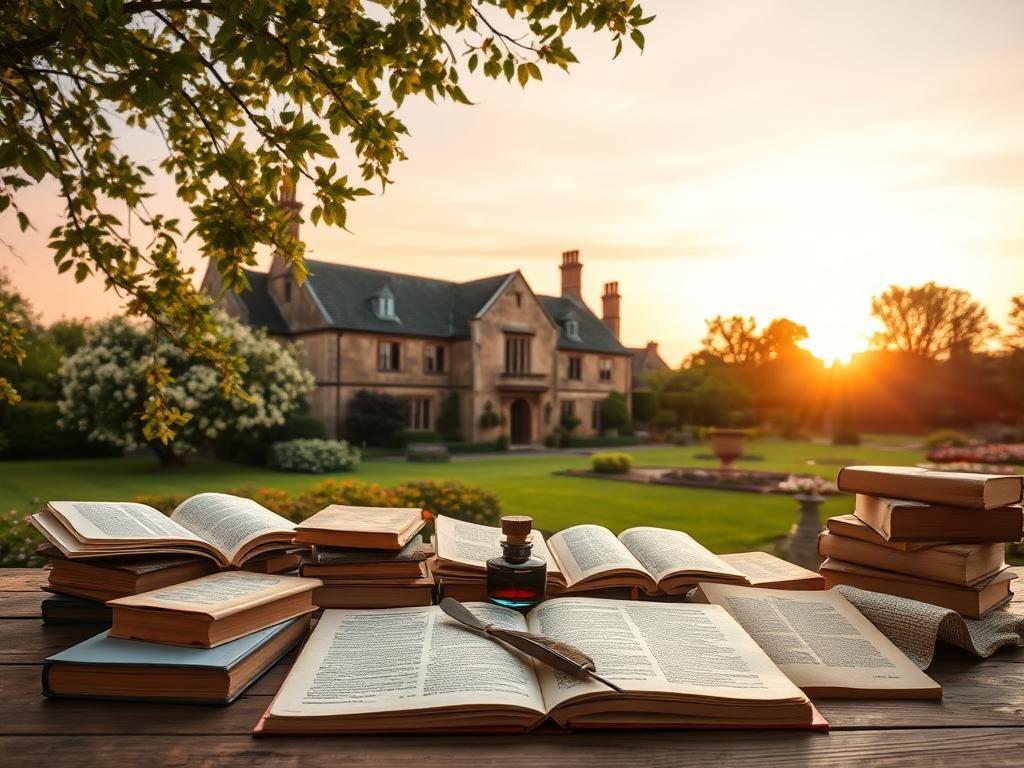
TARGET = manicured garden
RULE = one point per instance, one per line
(724, 521)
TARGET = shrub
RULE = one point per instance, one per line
(599, 441)
(464, 502)
(485, 446)
(449, 422)
(427, 452)
(104, 387)
(502, 443)
(947, 438)
(312, 456)
(665, 420)
(611, 463)
(375, 418)
(252, 449)
(845, 434)
(414, 436)
(490, 418)
(568, 421)
(614, 412)
(31, 430)
(18, 541)
(684, 436)
(645, 406)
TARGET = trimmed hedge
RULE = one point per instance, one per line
(313, 456)
(602, 441)
(458, 500)
(611, 463)
(30, 430)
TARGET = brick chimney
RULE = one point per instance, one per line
(610, 301)
(652, 347)
(286, 200)
(572, 275)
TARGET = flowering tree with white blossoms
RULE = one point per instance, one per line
(105, 387)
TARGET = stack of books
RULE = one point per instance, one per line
(937, 537)
(102, 551)
(367, 557)
(200, 641)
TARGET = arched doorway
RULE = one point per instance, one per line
(519, 415)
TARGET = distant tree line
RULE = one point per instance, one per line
(939, 360)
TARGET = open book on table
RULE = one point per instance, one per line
(417, 670)
(823, 643)
(228, 529)
(590, 557)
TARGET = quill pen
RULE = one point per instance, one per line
(561, 656)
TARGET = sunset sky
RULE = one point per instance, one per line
(765, 157)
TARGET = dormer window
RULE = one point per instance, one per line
(383, 304)
(571, 326)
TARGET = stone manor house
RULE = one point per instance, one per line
(492, 342)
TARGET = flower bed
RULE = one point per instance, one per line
(992, 453)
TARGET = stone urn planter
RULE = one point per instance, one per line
(728, 445)
(803, 536)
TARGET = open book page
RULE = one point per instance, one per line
(821, 642)
(372, 662)
(220, 594)
(231, 523)
(664, 552)
(687, 649)
(118, 522)
(586, 551)
(473, 545)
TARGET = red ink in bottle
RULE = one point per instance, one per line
(516, 579)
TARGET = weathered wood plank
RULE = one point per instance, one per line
(22, 579)
(29, 642)
(949, 747)
(21, 605)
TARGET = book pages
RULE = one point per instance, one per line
(366, 662)
(220, 594)
(673, 648)
(915, 627)
(663, 552)
(587, 550)
(339, 517)
(472, 544)
(118, 521)
(821, 641)
(228, 522)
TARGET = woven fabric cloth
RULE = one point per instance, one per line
(915, 627)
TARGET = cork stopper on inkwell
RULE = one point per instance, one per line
(516, 528)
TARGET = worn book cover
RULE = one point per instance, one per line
(957, 489)
(104, 667)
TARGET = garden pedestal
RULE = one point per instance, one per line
(803, 536)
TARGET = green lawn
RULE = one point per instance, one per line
(724, 521)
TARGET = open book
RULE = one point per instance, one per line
(227, 529)
(590, 557)
(415, 669)
(823, 643)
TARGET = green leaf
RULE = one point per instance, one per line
(524, 74)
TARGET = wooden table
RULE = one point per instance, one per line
(979, 722)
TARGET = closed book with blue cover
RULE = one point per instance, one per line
(104, 667)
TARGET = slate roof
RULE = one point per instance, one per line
(594, 335)
(423, 306)
(644, 361)
(263, 312)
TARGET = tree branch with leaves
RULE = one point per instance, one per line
(247, 95)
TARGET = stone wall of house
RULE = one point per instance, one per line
(590, 390)
(515, 311)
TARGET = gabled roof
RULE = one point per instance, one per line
(424, 306)
(594, 335)
(262, 310)
(646, 360)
